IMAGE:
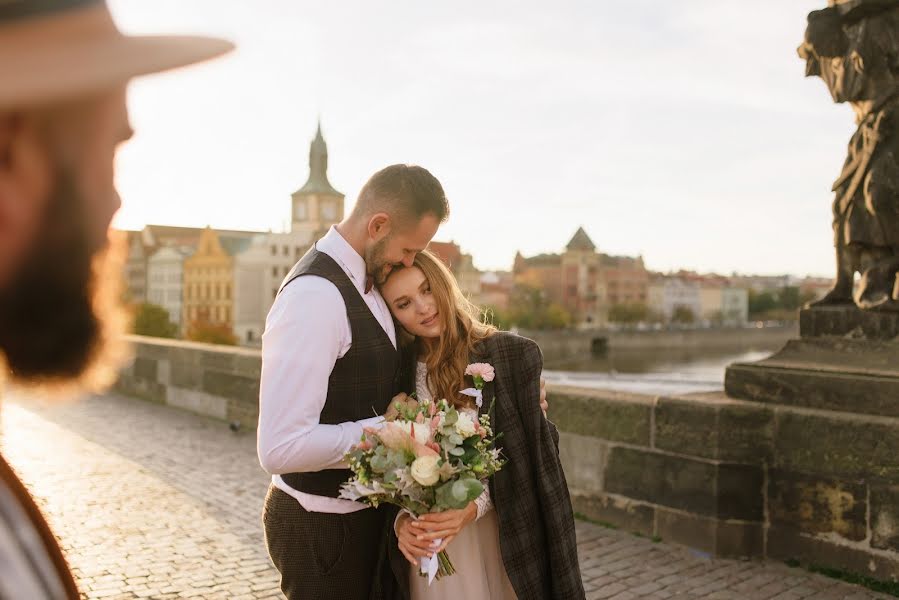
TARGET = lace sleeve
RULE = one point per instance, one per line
(485, 504)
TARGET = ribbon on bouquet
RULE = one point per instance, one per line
(474, 393)
(428, 564)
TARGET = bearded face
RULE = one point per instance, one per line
(376, 262)
(60, 316)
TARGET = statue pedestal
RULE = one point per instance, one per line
(845, 360)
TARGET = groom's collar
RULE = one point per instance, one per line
(340, 250)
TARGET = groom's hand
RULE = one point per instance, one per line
(444, 525)
(407, 538)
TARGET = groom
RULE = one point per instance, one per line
(329, 367)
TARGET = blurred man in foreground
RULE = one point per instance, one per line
(64, 68)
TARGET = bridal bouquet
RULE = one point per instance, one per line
(431, 458)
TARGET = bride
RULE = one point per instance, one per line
(517, 540)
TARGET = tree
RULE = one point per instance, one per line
(555, 317)
(153, 320)
(202, 330)
(683, 314)
(530, 309)
(628, 313)
(761, 302)
(789, 298)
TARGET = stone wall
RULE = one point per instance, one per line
(216, 381)
(737, 478)
(729, 477)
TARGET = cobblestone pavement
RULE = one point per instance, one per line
(153, 502)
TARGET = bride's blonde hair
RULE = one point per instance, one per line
(464, 327)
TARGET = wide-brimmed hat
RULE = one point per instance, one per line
(53, 50)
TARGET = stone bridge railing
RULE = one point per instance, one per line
(728, 477)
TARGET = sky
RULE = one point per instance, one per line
(684, 131)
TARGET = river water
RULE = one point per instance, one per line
(653, 371)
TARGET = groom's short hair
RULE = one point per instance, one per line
(406, 192)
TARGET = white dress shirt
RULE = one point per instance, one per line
(306, 331)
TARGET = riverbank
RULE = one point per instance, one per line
(566, 345)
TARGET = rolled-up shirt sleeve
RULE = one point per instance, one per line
(305, 333)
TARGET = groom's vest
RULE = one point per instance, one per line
(362, 382)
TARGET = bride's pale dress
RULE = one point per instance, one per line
(480, 573)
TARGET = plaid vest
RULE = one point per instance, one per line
(362, 382)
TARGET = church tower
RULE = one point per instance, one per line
(317, 205)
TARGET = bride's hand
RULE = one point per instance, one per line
(411, 547)
(543, 403)
(401, 400)
(444, 525)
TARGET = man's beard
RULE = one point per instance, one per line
(375, 265)
(61, 316)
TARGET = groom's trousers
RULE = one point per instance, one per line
(324, 556)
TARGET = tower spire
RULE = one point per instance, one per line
(318, 167)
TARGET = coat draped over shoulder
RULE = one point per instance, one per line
(530, 494)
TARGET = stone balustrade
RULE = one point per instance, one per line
(728, 477)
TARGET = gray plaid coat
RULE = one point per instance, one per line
(530, 494)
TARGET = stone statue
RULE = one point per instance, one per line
(853, 45)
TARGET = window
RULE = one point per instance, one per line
(274, 250)
(249, 335)
(329, 211)
(286, 271)
(285, 251)
(274, 271)
(299, 209)
(227, 291)
(218, 291)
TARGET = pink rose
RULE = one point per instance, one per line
(428, 449)
(483, 370)
(395, 437)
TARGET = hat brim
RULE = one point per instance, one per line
(46, 67)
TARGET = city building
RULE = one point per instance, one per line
(262, 266)
(625, 280)
(584, 281)
(721, 302)
(496, 289)
(208, 279)
(582, 287)
(136, 268)
(672, 294)
(765, 283)
(165, 273)
(462, 266)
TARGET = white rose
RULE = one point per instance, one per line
(465, 425)
(420, 431)
(425, 471)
